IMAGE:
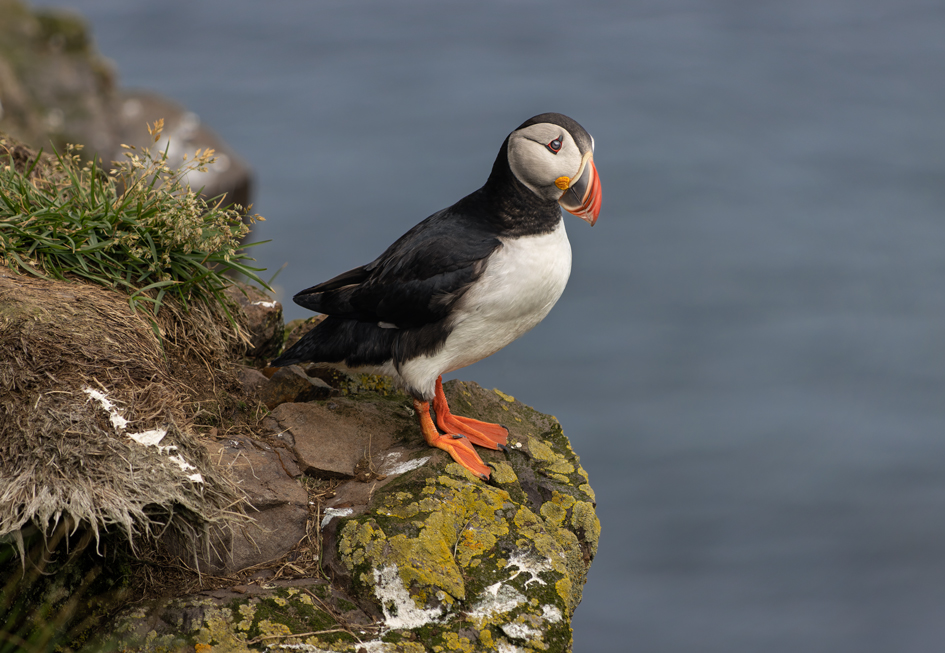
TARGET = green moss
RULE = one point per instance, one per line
(353, 383)
(233, 626)
(345, 606)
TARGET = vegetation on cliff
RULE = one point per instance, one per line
(138, 226)
(99, 387)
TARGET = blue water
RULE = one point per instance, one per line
(749, 356)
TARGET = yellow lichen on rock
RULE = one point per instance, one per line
(584, 517)
(219, 631)
(273, 629)
(586, 489)
(450, 563)
(459, 525)
(503, 474)
(427, 559)
(509, 557)
(553, 513)
(455, 642)
(248, 613)
(540, 450)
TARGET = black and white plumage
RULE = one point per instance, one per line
(469, 279)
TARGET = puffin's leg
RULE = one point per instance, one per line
(490, 436)
(458, 446)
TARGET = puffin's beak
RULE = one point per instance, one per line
(583, 196)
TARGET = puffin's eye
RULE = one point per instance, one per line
(554, 146)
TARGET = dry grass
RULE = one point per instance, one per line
(83, 368)
(116, 350)
(62, 458)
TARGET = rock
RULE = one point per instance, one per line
(351, 382)
(54, 85)
(251, 380)
(440, 553)
(263, 317)
(291, 384)
(332, 437)
(278, 506)
(353, 497)
(422, 556)
(276, 503)
(225, 617)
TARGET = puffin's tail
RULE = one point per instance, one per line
(337, 340)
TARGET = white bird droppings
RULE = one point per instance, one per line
(114, 416)
(505, 647)
(520, 631)
(497, 598)
(390, 467)
(400, 611)
(551, 614)
(529, 565)
(331, 513)
(150, 438)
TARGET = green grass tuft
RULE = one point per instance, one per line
(138, 227)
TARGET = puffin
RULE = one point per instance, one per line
(463, 283)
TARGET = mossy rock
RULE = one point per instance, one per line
(250, 619)
(465, 565)
(438, 560)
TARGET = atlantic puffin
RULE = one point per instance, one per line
(463, 283)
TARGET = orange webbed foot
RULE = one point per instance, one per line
(485, 434)
(456, 445)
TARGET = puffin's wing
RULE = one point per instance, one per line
(415, 282)
(312, 298)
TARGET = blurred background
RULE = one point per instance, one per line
(749, 356)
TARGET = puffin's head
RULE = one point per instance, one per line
(554, 157)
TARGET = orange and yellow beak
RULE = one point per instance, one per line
(582, 197)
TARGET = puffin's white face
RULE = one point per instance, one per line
(546, 159)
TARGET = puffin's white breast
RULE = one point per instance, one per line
(522, 281)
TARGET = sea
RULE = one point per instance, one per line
(750, 354)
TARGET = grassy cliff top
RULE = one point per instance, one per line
(137, 227)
